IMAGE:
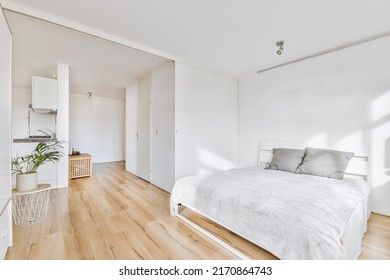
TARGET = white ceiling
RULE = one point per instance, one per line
(231, 37)
(96, 65)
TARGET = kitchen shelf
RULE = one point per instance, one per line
(34, 140)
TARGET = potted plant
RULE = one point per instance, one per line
(25, 167)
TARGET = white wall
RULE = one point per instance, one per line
(97, 127)
(108, 129)
(5, 135)
(341, 96)
(80, 120)
(206, 119)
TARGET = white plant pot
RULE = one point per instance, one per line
(26, 182)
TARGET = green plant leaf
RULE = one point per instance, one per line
(44, 152)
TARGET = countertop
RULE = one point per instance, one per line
(34, 140)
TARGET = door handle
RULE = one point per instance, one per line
(137, 135)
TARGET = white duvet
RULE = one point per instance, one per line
(292, 216)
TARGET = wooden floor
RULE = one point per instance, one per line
(115, 215)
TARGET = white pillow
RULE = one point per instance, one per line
(286, 159)
(324, 163)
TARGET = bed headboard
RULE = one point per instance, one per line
(359, 165)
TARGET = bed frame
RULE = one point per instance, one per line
(359, 166)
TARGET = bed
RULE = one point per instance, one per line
(293, 216)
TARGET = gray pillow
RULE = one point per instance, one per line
(286, 159)
(325, 163)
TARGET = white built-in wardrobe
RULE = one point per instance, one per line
(150, 127)
(181, 121)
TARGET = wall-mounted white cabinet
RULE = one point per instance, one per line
(44, 94)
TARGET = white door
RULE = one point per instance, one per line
(131, 128)
(163, 122)
(143, 125)
(5, 135)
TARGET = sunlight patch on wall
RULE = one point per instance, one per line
(356, 137)
(380, 107)
(215, 162)
(318, 140)
(380, 134)
(379, 152)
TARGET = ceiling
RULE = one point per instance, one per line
(96, 65)
(234, 38)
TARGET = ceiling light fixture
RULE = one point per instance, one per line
(280, 44)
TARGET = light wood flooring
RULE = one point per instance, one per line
(116, 215)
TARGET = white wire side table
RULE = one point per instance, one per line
(30, 207)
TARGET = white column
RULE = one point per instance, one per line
(63, 123)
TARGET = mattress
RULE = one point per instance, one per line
(293, 216)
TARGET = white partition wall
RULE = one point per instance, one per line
(5, 136)
(206, 116)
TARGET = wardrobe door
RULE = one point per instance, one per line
(143, 128)
(162, 132)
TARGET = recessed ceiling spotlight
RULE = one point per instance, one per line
(280, 44)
